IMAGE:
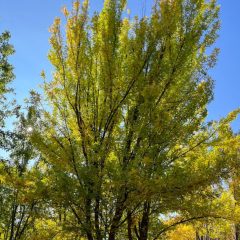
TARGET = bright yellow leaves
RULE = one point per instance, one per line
(65, 12)
(182, 232)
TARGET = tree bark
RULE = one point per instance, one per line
(88, 219)
(144, 224)
(129, 222)
(116, 219)
(237, 232)
(97, 212)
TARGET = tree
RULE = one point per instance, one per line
(6, 76)
(17, 182)
(124, 135)
(6, 69)
(233, 183)
(20, 184)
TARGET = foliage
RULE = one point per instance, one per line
(6, 69)
(20, 191)
(125, 139)
(6, 76)
(183, 232)
(119, 148)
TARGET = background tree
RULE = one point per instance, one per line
(234, 189)
(124, 136)
(6, 76)
(18, 183)
(6, 69)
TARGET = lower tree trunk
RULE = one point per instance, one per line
(237, 232)
(115, 222)
(129, 222)
(143, 227)
(88, 219)
(97, 224)
(120, 207)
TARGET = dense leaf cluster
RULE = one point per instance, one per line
(120, 148)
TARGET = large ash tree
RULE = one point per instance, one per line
(124, 137)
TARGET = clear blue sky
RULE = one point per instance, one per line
(29, 21)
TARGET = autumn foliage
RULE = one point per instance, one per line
(118, 147)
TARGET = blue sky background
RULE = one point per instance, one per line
(29, 21)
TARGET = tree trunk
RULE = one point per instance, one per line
(129, 222)
(88, 219)
(97, 212)
(116, 219)
(144, 224)
(237, 232)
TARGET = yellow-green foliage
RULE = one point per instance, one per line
(124, 137)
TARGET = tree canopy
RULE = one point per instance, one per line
(119, 143)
